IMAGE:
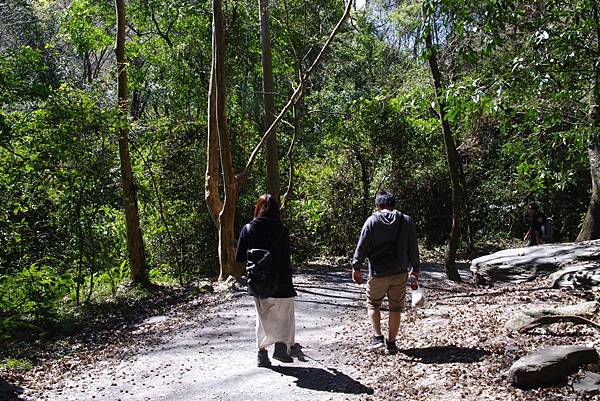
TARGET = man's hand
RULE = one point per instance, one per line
(414, 282)
(357, 277)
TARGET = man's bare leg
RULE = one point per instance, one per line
(393, 325)
(375, 318)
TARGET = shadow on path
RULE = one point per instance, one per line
(331, 381)
(446, 354)
(10, 391)
(324, 294)
(342, 305)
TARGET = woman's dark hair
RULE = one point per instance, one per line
(385, 199)
(267, 206)
(533, 206)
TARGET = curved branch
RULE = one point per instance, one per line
(546, 320)
(290, 156)
(241, 178)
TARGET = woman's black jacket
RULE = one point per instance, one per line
(261, 233)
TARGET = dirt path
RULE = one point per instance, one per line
(212, 357)
(455, 349)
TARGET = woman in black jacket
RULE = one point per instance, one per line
(275, 322)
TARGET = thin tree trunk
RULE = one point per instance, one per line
(219, 156)
(87, 67)
(466, 205)
(294, 98)
(591, 224)
(81, 241)
(365, 178)
(212, 179)
(590, 228)
(226, 216)
(135, 243)
(135, 105)
(92, 262)
(453, 166)
(268, 97)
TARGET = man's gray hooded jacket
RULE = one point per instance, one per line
(381, 228)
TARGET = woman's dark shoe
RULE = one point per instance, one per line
(281, 353)
(263, 359)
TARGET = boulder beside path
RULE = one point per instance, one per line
(550, 365)
(570, 261)
(588, 384)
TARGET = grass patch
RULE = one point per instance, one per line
(15, 364)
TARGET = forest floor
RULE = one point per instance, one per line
(456, 348)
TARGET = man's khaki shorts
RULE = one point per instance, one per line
(392, 286)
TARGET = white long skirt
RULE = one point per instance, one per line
(275, 321)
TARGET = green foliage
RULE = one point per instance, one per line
(517, 80)
(14, 364)
(35, 291)
(89, 25)
(21, 75)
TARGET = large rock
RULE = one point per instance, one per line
(523, 318)
(523, 264)
(583, 274)
(589, 383)
(550, 365)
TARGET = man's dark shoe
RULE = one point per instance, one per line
(281, 353)
(376, 343)
(263, 359)
(390, 347)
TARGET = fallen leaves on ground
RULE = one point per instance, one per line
(456, 348)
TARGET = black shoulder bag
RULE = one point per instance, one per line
(263, 278)
(389, 250)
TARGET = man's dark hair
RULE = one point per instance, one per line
(385, 199)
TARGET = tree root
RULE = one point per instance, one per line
(546, 320)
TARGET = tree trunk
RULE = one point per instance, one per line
(223, 213)
(213, 170)
(590, 228)
(268, 98)
(591, 224)
(365, 178)
(466, 205)
(453, 166)
(135, 243)
(219, 156)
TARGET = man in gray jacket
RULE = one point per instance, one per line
(389, 240)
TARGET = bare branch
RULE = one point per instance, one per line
(293, 99)
(290, 156)
(164, 35)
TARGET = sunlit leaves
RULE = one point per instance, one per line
(21, 76)
(89, 24)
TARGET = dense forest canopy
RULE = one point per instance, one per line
(468, 110)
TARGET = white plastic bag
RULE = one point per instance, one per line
(418, 298)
